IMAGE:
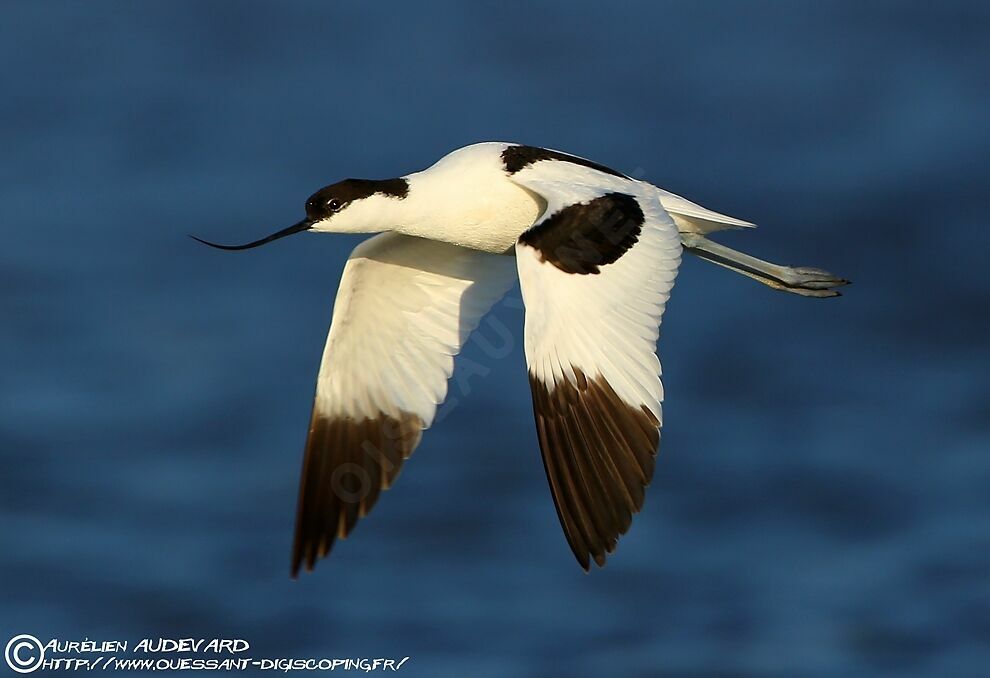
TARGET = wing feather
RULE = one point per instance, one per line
(596, 270)
(404, 309)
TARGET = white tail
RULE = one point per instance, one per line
(692, 218)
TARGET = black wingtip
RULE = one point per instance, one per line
(300, 564)
(303, 558)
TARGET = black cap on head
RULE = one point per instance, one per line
(335, 197)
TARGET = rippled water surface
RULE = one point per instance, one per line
(821, 504)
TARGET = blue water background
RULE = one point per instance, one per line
(821, 504)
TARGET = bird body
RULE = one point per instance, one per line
(465, 199)
(596, 253)
(468, 199)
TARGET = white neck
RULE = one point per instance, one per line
(466, 203)
(462, 199)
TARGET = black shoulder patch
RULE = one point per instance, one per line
(515, 158)
(335, 197)
(580, 238)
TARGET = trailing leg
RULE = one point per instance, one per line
(803, 280)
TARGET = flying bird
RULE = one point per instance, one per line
(596, 253)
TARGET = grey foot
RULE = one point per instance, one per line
(808, 282)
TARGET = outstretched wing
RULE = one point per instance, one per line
(404, 309)
(596, 270)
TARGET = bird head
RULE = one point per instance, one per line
(348, 206)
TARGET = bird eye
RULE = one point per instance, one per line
(333, 205)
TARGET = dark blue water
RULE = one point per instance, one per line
(822, 500)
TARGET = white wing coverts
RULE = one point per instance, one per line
(404, 309)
